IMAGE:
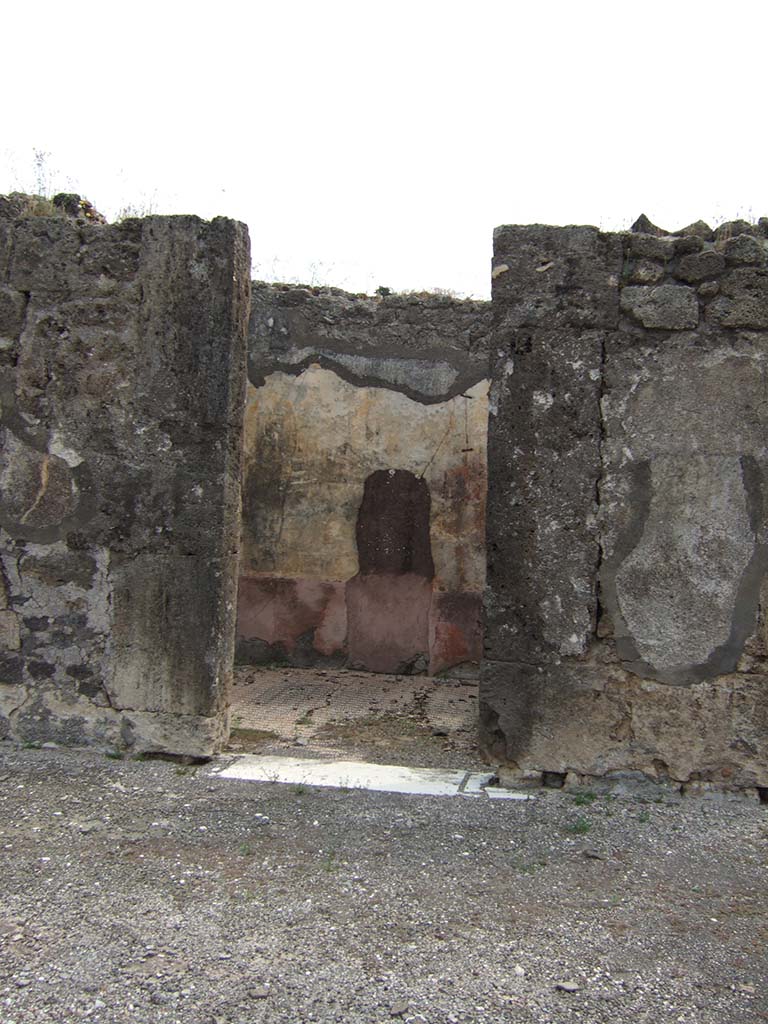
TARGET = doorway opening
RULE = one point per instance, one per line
(363, 541)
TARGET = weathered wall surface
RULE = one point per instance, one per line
(626, 600)
(428, 347)
(123, 351)
(343, 388)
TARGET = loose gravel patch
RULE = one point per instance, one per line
(148, 891)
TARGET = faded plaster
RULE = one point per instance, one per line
(310, 443)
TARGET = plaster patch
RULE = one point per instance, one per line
(677, 589)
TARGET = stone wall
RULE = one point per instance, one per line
(123, 351)
(365, 418)
(627, 599)
(626, 621)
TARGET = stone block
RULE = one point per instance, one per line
(700, 265)
(743, 301)
(732, 228)
(13, 306)
(555, 277)
(10, 639)
(11, 668)
(645, 226)
(699, 229)
(112, 252)
(578, 717)
(646, 272)
(554, 718)
(39, 495)
(44, 256)
(665, 307)
(650, 247)
(12, 697)
(172, 649)
(745, 250)
(173, 733)
(543, 467)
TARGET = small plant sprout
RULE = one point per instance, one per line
(580, 827)
(584, 798)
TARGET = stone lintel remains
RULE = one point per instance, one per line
(123, 351)
(626, 520)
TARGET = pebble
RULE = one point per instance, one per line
(258, 992)
(86, 827)
(398, 1008)
(567, 986)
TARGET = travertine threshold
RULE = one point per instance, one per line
(380, 778)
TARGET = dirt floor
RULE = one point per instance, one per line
(147, 891)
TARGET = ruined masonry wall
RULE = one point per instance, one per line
(344, 387)
(123, 352)
(627, 599)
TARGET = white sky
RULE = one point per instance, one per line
(372, 144)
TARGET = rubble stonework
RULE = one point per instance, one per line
(626, 602)
(123, 351)
(619, 382)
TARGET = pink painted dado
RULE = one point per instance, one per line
(380, 624)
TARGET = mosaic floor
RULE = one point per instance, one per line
(408, 720)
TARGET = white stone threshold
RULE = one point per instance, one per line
(381, 778)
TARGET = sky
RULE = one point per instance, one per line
(369, 144)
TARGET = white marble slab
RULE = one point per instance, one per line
(381, 778)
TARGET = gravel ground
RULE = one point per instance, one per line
(147, 891)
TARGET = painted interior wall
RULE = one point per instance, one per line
(318, 435)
